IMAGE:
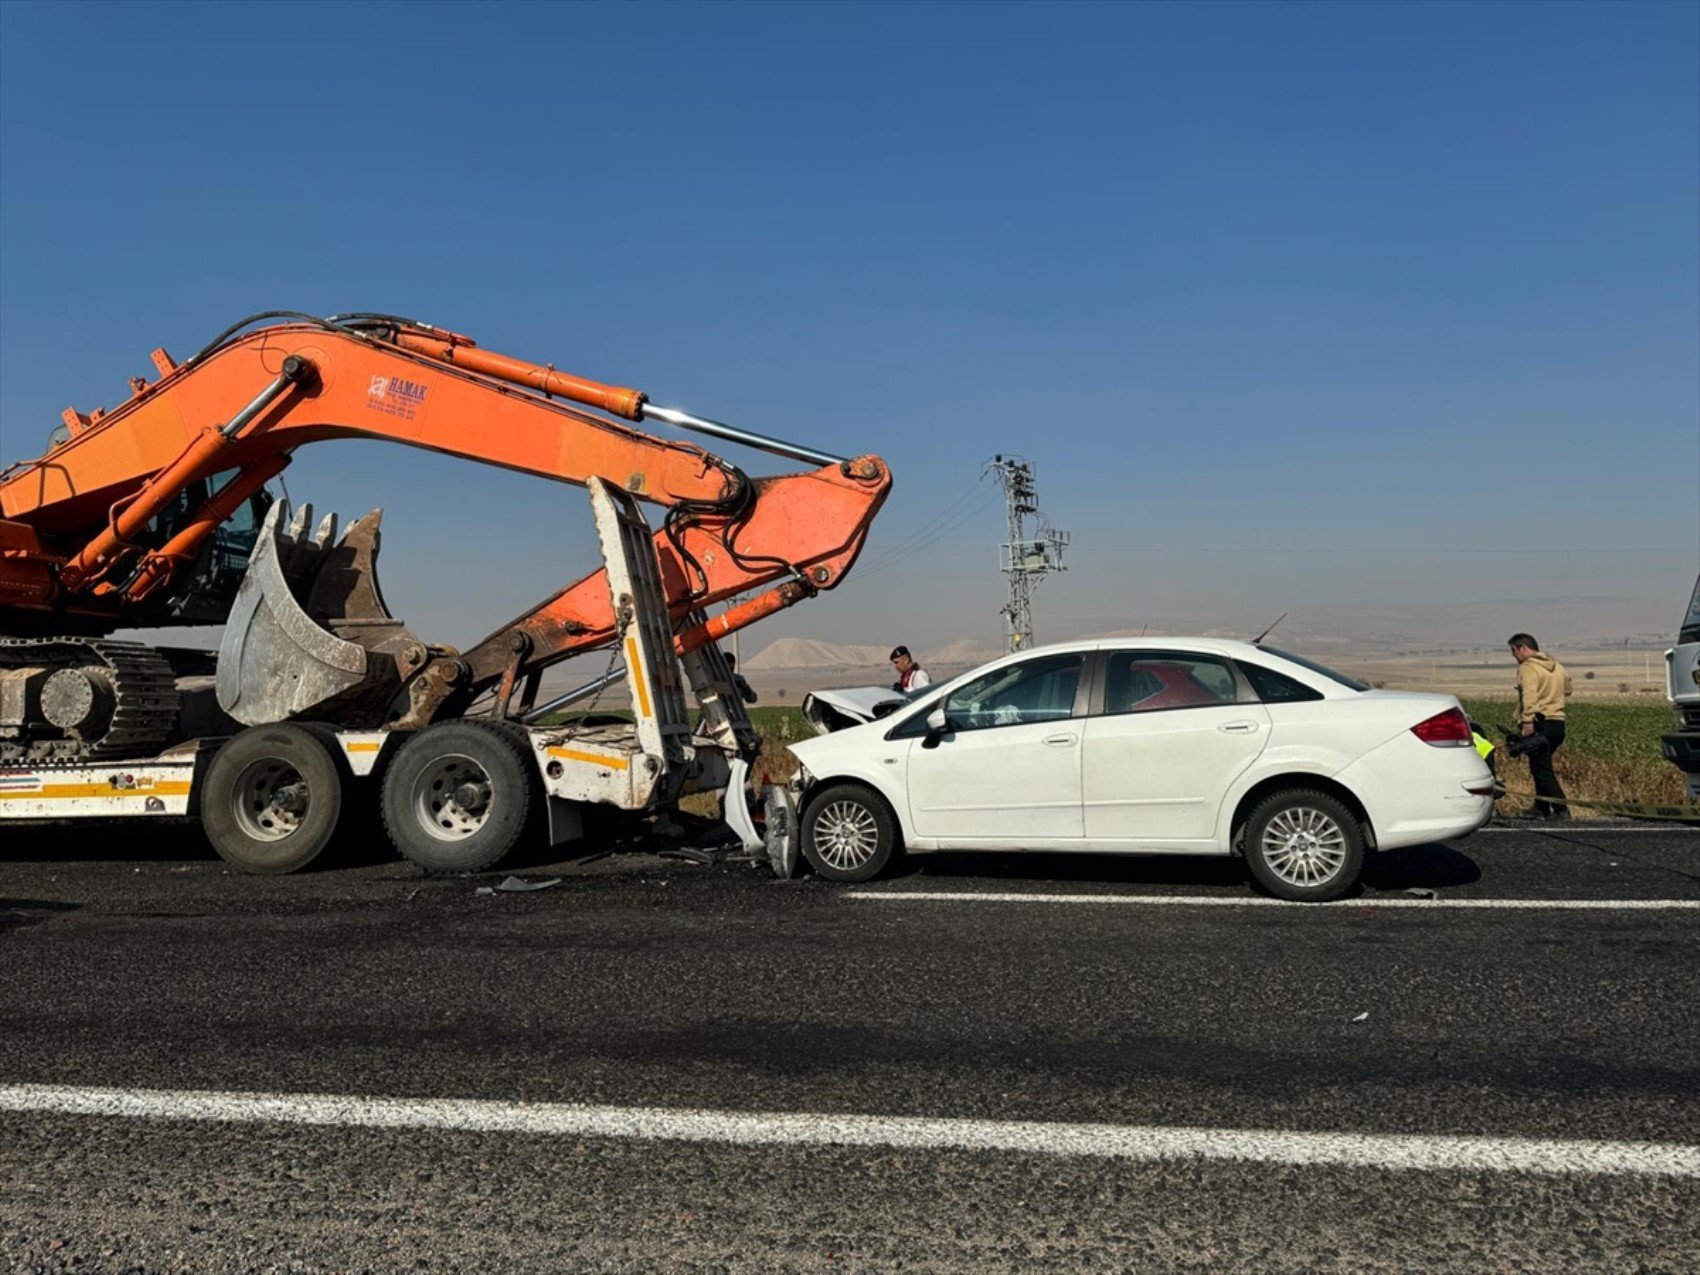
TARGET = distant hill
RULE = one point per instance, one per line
(965, 652)
(1332, 632)
(804, 654)
(1409, 628)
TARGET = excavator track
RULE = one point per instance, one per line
(144, 691)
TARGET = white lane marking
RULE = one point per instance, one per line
(1258, 901)
(1123, 1142)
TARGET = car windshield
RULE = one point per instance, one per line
(1691, 626)
(1350, 683)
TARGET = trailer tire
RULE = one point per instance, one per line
(461, 795)
(272, 797)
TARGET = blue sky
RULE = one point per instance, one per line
(1291, 305)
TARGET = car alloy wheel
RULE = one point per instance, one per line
(1303, 846)
(846, 835)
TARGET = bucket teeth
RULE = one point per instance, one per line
(309, 636)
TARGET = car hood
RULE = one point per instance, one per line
(829, 711)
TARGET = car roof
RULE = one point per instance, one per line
(1196, 645)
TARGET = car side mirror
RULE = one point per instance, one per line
(937, 722)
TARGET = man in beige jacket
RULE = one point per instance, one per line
(1542, 688)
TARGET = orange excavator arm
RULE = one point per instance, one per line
(74, 523)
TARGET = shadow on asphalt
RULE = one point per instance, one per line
(1434, 866)
(114, 840)
(363, 843)
(360, 843)
(1143, 869)
(1416, 867)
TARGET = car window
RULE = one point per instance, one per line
(1150, 682)
(1036, 690)
(1276, 688)
(1350, 683)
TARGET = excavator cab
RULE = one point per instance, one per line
(204, 591)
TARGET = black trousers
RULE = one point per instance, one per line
(1540, 769)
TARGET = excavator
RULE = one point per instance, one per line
(159, 513)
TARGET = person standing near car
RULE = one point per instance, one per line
(910, 675)
(1542, 688)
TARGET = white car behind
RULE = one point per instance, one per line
(1163, 745)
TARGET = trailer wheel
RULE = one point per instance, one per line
(272, 798)
(460, 795)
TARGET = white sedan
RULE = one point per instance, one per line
(1152, 745)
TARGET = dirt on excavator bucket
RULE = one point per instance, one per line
(309, 636)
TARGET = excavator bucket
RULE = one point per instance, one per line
(309, 636)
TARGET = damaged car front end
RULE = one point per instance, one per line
(775, 836)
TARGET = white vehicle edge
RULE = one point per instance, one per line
(1362, 770)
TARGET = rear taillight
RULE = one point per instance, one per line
(1450, 729)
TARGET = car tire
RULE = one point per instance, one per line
(849, 833)
(487, 762)
(1304, 846)
(272, 797)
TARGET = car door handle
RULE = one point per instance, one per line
(1238, 728)
(1060, 741)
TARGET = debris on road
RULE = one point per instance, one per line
(519, 885)
(1360, 1018)
(690, 854)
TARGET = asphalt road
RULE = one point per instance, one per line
(642, 983)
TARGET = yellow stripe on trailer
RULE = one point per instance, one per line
(598, 759)
(49, 792)
(639, 676)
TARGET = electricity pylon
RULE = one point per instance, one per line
(1025, 558)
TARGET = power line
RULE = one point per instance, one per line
(921, 532)
(898, 558)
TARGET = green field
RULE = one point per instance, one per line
(1612, 731)
(1611, 755)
